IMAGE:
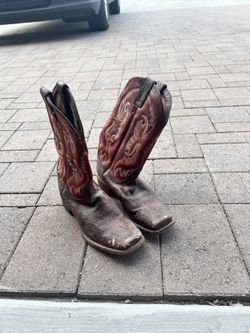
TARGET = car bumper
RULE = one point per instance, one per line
(57, 9)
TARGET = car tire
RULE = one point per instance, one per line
(115, 7)
(100, 21)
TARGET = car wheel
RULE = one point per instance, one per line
(115, 7)
(101, 20)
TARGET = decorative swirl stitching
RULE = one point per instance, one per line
(72, 170)
(61, 166)
(77, 175)
(114, 126)
(135, 150)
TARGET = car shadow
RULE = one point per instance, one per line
(42, 32)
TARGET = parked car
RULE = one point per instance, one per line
(96, 12)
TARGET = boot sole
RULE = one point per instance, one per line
(151, 231)
(105, 248)
(157, 231)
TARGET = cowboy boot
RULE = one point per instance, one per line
(125, 143)
(102, 223)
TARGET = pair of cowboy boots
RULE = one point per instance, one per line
(125, 143)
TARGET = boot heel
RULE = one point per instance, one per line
(104, 187)
(68, 211)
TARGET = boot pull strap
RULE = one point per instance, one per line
(62, 89)
(144, 89)
(69, 107)
(161, 86)
(48, 99)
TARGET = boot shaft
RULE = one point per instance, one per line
(73, 168)
(141, 113)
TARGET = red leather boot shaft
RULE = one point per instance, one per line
(115, 128)
(131, 132)
(73, 166)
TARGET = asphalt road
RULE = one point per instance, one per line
(145, 5)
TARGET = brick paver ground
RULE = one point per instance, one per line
(200, 166)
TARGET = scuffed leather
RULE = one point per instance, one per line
(101, 221)
(124, 146)
(140, 202)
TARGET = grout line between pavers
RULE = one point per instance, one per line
(1, 193)
(3, 171)
(236, 241)
(8, 138)
(204, 204)
(195, 133)
(199, 172)
(248, 111)
(160, 241)
(243, 181)
(223, 143)
(20, 94)
(31, 122)
(48, 179)
(16, 245)
(28, 222)
(212, 106)
(26, 206)
(173, 138)
(25, 150)
(37, 154)
(80, 272)
(96, 111)
(23, 162)
(228, 221)
(213, 124)
(44, 144)
(161, 264)
(6, 122)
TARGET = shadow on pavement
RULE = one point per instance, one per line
(41, 32)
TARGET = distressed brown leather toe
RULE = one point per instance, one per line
(102, 223)
(141, 113)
